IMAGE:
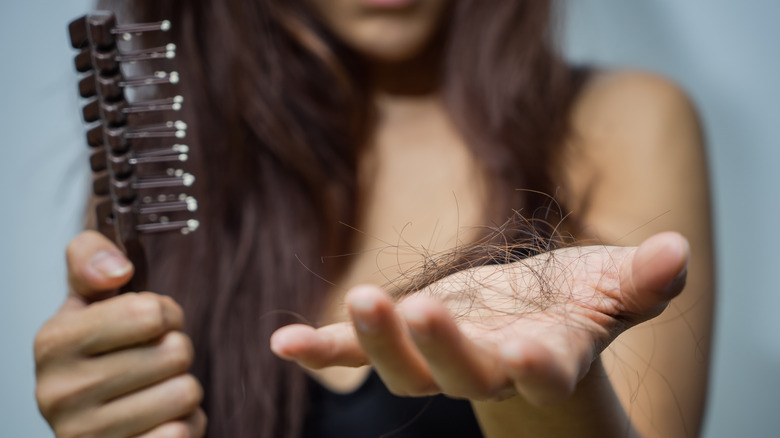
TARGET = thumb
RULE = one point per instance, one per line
(96, 268)
(654, 274)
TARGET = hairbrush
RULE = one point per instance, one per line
(137, 150)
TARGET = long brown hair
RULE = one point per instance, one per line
(278, 110)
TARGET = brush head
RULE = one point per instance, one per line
(138, 154)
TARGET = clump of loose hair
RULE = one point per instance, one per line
(515, 240)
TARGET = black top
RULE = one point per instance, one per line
(371, 411)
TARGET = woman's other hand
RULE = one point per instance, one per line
(115, 366)
(532, 328)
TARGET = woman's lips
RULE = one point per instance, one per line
(388, 4)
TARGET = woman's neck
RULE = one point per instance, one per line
(416, 76)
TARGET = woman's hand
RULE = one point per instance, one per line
(532, 328)
(115, 366)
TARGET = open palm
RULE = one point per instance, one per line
(489, 333)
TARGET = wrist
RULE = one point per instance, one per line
(592, 411)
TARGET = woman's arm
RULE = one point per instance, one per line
(636, 166)
(662, 366)
(545, 363)
(643, 138)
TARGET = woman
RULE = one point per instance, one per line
(360, 135)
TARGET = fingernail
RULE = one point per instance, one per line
(278, 342)
(677, 284)
(110, 264)
(363, 310)
(418, 324)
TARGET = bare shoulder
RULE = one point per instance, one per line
(633, 103)
(636, 139)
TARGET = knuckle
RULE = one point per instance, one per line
(53, 397)
(53, 341)
(145, 310)
(46, 403)
(178, 351)
(46, 345)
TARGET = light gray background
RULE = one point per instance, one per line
(725, 53)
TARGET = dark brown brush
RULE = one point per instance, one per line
(136, 145)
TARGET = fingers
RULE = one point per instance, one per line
(378, 335)
(122, 393)
(459, 366)
(332, 345)
(192, 426)
(150, 409)
(539, 373)
(83, 384)
(145, 409)
(95, 266)
(106, 326)
(132, 369)
(654, 274)
(128, 320)
(417, 348)
(434, 356)
(386, 340)
(115, 365)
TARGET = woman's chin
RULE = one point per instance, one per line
(390, 44)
